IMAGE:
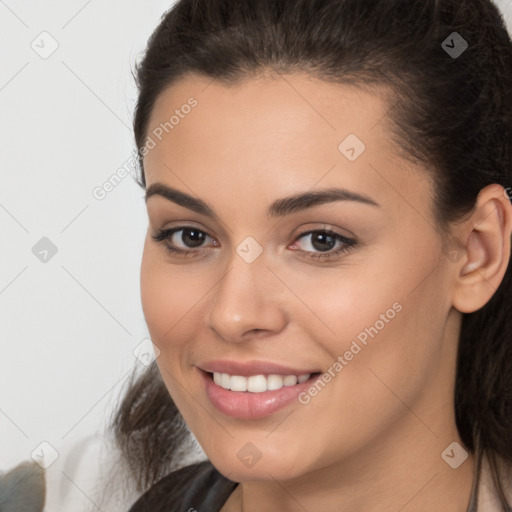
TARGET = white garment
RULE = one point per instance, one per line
(89, 476)
(487, 496)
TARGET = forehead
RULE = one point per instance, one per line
(284, 129)
(275, 111)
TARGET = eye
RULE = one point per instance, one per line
(325, 241)
(188, 241)
(182, 241)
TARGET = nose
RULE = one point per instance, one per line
(248, 301)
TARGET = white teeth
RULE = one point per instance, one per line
(290, 380)
(225, 380)
(237, 383)
(274, 382)
(257, 383)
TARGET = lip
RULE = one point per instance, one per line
(246, 369)
(252, 406)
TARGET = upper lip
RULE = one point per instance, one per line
(246, 369)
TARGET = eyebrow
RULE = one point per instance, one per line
(278, 208)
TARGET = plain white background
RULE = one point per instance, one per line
(69, 325)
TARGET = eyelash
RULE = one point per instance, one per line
(163, 235)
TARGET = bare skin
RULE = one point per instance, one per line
(371, 440)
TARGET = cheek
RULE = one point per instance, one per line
(389, 340)
(167, 297)
(167, 301)
(376, 320)
(337, 307)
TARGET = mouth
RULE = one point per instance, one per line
(254, 396)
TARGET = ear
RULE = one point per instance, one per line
(486, 238)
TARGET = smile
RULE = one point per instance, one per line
(253, 397)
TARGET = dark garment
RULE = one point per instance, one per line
(198, 487)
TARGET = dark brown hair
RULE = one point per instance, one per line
(453, 114)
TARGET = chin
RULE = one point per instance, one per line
(266, 467)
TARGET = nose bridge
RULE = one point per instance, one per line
(245, 299)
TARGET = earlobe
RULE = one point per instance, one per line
(487, 249)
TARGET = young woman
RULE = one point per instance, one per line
(326, 274)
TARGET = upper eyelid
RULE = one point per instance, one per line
(181, 227)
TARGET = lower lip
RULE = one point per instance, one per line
(249, 406)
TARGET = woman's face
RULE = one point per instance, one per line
(352, 288)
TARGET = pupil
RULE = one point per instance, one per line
(323, 237)
(192, 237)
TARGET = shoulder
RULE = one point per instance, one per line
(198, 486)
